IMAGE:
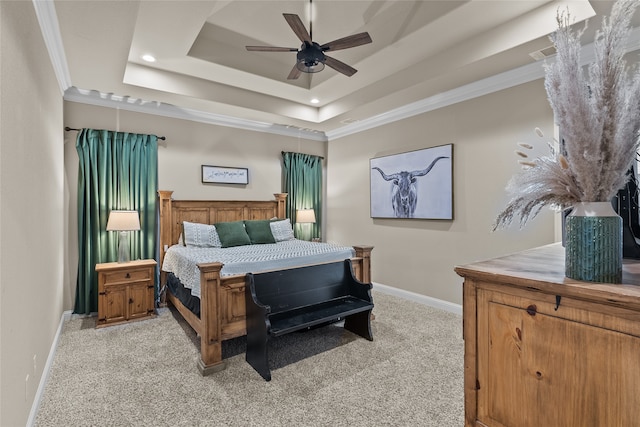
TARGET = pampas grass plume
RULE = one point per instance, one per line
(527, 164)
(598, 112)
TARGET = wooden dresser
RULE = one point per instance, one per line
(125, 291)
(544, 350)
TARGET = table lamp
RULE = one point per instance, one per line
(123, 221)
(305, 216)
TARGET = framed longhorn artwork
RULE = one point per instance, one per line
(416, 184)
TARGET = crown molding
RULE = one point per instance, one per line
(47, 18)
(466, 92)
(93, 97)
(505, 80)
(48, 21)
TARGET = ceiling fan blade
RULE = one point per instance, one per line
(297, 26)
(294, 73)
(347, 42)
(271, 49)
(340, 66)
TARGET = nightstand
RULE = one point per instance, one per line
(125, 291)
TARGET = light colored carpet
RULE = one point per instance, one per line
(144, 374)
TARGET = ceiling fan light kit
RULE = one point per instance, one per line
(310, 58)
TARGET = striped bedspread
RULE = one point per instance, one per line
(182, 261)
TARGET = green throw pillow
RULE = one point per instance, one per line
(259, 231)
(232, 234)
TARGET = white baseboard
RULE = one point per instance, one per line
(66, 315)
(422, 299)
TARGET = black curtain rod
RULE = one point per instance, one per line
(282, 152)
(68, 129)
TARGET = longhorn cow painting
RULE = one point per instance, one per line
(415, 184)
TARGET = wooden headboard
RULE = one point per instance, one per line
(173, 212)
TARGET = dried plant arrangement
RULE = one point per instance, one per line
(598, 111)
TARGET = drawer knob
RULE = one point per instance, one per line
(128, 276)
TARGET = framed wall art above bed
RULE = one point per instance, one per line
(224, 175)
(416, 184)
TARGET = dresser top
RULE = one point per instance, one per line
(543, 269)
(131, 264)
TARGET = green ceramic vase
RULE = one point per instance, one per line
(593, 243)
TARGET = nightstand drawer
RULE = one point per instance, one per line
(128, 276)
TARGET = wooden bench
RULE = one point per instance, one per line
(284, 301)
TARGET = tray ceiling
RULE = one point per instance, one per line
(420, 49)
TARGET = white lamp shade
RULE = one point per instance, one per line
(305, 216)
(123, 221)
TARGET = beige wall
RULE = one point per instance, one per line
(31, 209)
(188, 145)
(414, 255)
(419, 255)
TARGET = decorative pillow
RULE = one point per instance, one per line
(200, 235)
(282, 230)
(259, 231)
(232, 234)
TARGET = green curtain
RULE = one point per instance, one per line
(117, 170)
(303, 182)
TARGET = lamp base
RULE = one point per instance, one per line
(123, 247)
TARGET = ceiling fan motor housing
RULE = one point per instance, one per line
(310, 58)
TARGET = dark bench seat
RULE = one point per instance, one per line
(284, 301)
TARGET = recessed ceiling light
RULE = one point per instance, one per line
(149, 58)
(314, 100)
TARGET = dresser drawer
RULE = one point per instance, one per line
(130, 275)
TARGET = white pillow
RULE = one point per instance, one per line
(282, 230)
(200, 235)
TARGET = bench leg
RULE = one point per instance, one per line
(360, 323)
(257, 355)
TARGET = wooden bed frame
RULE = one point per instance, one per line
(222, 299)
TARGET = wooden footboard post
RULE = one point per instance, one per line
(210, 333)
(364, 252)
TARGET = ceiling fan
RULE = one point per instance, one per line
(311, 57)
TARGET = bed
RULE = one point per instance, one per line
(221, 294)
